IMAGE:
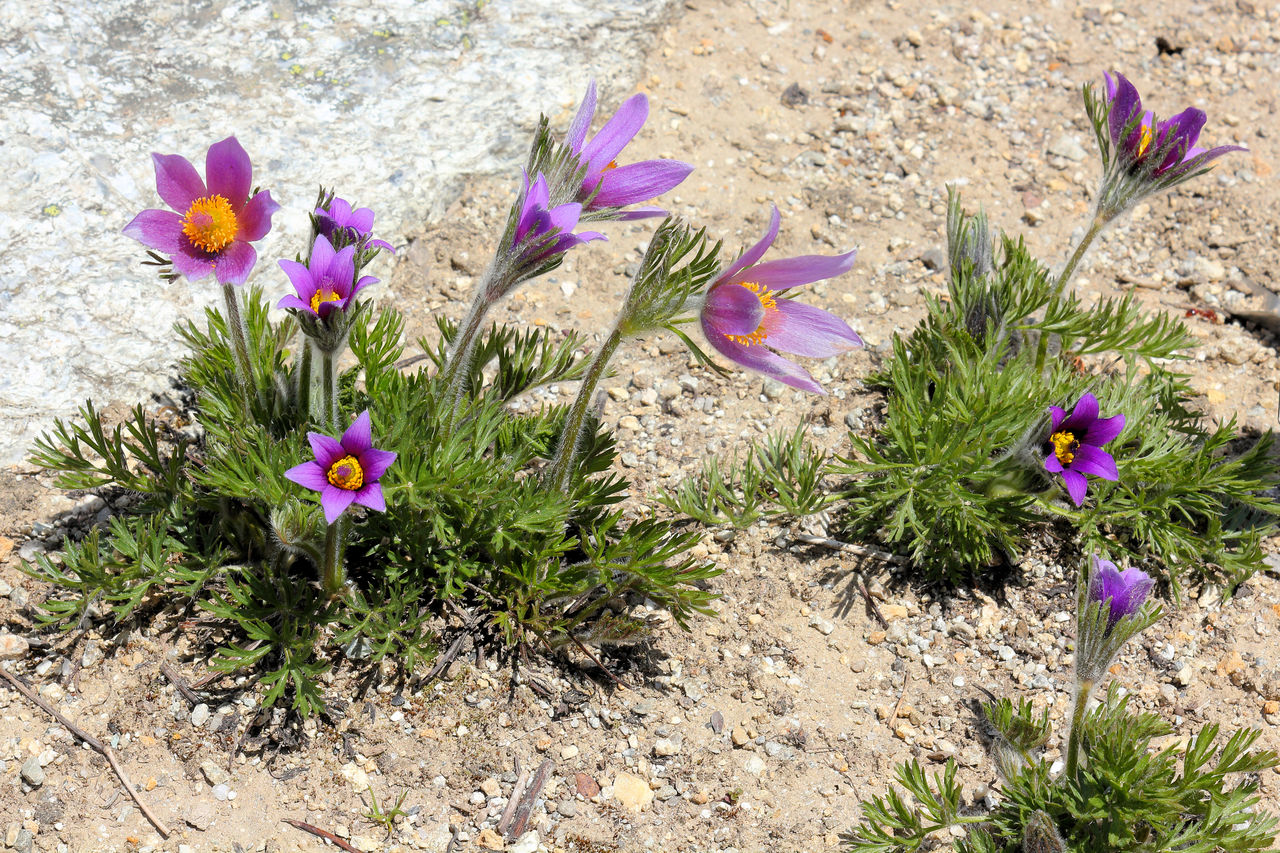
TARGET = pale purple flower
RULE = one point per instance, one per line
(213, 225)
(619, 186)
(352, 225)
(1123, 593)
(345, 470)
(1173, 140)
(324, 283)
(1074, 445)
(537, 223)
(745, 318)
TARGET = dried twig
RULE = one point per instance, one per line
(906, 681)
(509, 813)
(525, 808)
(95, 744)
(837, 545)
(321, 833)
(871, 602)
(176, 680)
(598, 663)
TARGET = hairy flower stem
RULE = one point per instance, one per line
(328, 392)
(458, 367)
(571, 436)
(1064, 278)
(1083, 689)
(305, 369)
(333, 575)
(238, 332)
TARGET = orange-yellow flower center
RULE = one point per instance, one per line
(1144, 142)
(322, 295)
(1064, 446)
(613, 164)
(210, 223)
(768, 303)
(346, 473)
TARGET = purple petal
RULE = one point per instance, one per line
(291, 301)
(365, 281)
(582, 121)
(732, 309)
(375, 462)
(322, 256)
(192, 263)
(1105, 430)
(300, 277)
(1124, 103)
(359, 436)
(326, 448)
(563, 217)
(229, 172)
(1136, 586)
(606, 145)
(1058, 415)
(1184, 128)
(637, 182)
(255, 219)
(1052, 463)
(234, 263)
(1083, 416)
(382, 244)
(808, 331)
(1092, 460)
(371, 496)
(1202, 156)
(339, 211)
(308, 475)
(159, 229)
(793, 272)
(177, 181)
(334, 502)
(750, 256)
(1077, 486)
(639, 213)
(761, 359)
(341, 269)
(361, 220)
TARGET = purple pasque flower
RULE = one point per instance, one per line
(213, 224)
(345, 470)
(1122, 592)
(543, 231)
(353, 226)
(1074, 445)
(326, 282)
(618, 186)
(1137, 136)
(745, 320)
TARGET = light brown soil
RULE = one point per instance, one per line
(899, 100)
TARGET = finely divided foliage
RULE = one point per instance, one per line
(314, 535)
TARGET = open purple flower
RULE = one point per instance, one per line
(353, 226)
(214, 224)
(1074, 445)
(619, 186)
(745, 320)
(1123, 592)
(345, 470)
(537, 223)
(326, 282)
(1137, 135)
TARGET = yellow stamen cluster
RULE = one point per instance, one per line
(1064, 446)
(322, 295)
(1145, 141)
(210, 223)
(346, 473)
(768, 303)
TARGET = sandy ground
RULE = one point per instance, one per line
(761, 729)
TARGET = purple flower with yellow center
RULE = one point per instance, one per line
(1074, 445)
(213, 224)
(1137, 136)
(1123, 593)
(745, 318)
(326, 282)
(545, 231)
(353, 225)
(345, 470)
(618, 186)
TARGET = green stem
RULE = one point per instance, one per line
(334, 571)
(1064, 278)
(457, 369)
(328, 392)
(238, 333)
(305, 368)
(1083, 689)
(571, 436)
